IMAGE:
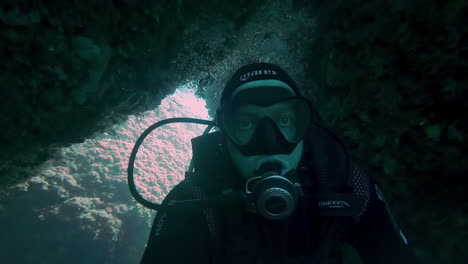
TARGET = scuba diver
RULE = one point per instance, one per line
(272, 185)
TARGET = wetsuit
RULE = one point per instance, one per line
(249, 238)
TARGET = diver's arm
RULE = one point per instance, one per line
(376, 236)
(178, 238)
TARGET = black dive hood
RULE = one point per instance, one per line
(272, 195)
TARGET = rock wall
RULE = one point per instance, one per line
(78, 209)
(74, 68)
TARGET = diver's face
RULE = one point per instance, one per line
(250, 93)
(247, 165)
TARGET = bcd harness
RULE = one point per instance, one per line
(325, 173)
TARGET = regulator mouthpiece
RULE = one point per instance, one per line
(274, 196)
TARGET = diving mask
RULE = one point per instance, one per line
(267, 129)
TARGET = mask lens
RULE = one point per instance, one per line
(242, 126)
(290, 116)
(240, 122)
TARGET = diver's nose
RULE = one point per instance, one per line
(268, 137)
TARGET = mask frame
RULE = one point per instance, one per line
(259, 144)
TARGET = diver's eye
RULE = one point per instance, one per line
(245, 123)
(286, 120)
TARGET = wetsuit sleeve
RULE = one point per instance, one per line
(375, 235)
(178, 237)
